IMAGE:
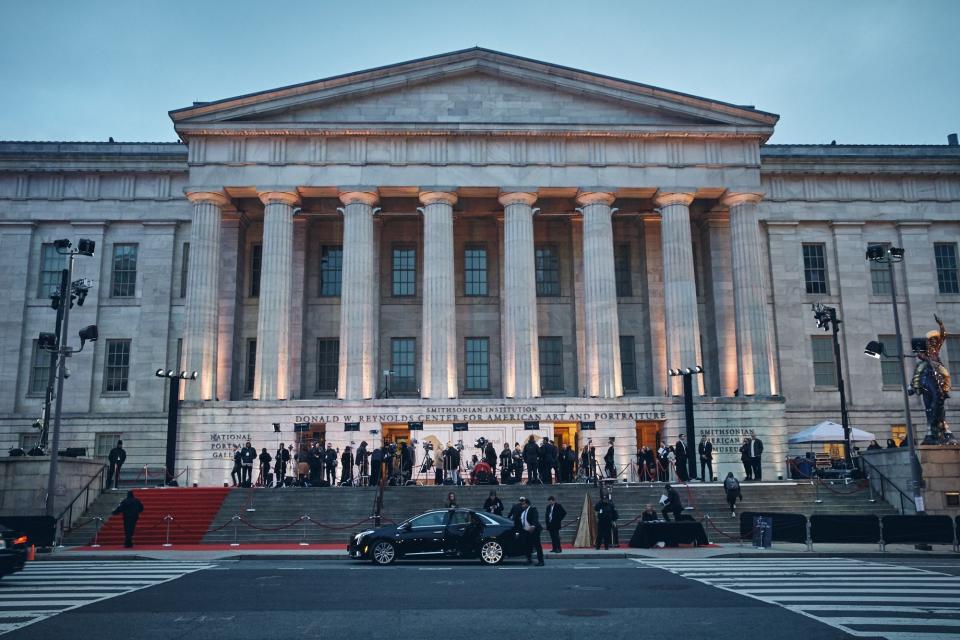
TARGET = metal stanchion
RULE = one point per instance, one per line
(250, 508)
(96, 534)
(303, 540)
(236, 524)
(870, 484)
(146, 477)
(883, 545)
(809, 537)
(168, 519)
(816, 488)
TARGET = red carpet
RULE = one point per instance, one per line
(193, 509)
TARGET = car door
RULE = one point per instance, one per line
(423, 535)
(463, 532)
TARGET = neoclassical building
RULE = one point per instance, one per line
(470, 238)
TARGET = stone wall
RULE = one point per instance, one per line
(941, 473)
(24, 484)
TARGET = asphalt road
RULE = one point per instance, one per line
(331, 599)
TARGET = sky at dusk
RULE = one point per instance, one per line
(856, 71)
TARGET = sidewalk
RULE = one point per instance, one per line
(210, 552)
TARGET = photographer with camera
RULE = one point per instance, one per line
(506, 465)
(451, 464)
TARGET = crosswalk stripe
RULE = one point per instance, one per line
(47, 588)
(813, 587)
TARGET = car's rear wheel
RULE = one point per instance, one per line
(383, 552)
(491, 552)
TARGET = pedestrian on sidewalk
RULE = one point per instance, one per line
(117, 457)
(745, 460)
(235, 474)
(705, 450)
(131, 508)
(732, 488)
(555, 515)
(527, 523)
(606, 516)
(671, 503)
(756, 449)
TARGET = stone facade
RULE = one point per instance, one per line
(577, 234)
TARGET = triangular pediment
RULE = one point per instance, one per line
(475, 88)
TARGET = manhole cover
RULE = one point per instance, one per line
(583, 613)
(580, 587)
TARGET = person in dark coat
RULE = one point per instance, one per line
(280, 462)
(663, 463)
(376, 466)
(526, 522)
(506, 465)
(568, 459)
(609, 463)
(606, 516)
(649, 514)
(531, 456)
(363, 460)
(116, 458)
(315, 462)
(517, 462)
(247, 455)
(745, 460)
(493, 504)
(490, 456)
(705, 451)
(265, 460)
(346, 466)
(673, 504)
(682, 454)
(131, 508)
(406, 462)
(235, 473)
(554, 515)
(731, 487)
(755, 447)
(330, 464)
(548, 461)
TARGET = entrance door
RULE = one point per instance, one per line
(396, 433)
(565, 433)
(648, 434)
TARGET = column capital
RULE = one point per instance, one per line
(667, 198)
(438, 197)
(358, 195)
(733, 198)
(507, 198)
(217, 198)
(587, 197)
(275, 195)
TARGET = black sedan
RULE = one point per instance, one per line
(13, 551)
(441, 534)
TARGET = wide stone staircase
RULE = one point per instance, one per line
(331, 514)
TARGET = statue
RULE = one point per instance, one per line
(931, 381)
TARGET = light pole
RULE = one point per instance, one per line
(688, 374)
(173, 415)
(57, 345)
(828, 321)
(889, 255)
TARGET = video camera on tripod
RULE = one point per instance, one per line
(481, 443)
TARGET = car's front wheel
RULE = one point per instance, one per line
(491, 552)
(383, 552)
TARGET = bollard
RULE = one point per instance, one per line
(32, 553)
(236, 524)
(883, 545)
(168, 519)
(809, 537)
(303, 540)
(816, 488)
(96, 534)
(146, 477)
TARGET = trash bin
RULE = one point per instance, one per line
(762, 532)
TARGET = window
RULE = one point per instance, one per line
(403, 354)
(124, 271)
(432, 519)
(551, 363)
(256, 263)
(879, 273)
(29, 440)
(404, 271)
(815, 268)
(952, 359)
(328, 364)
(946, 255)
(621, 265)
(477, 364)
(184, 269)
(51, 264)
(39, 371)
(824, 366)
(628, 363)
(548, 271)
(117, 371)
(250, 372)
(331, 271)
(890, 362)
(103, 443)
(475, 271)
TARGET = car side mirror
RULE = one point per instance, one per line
(404, 527)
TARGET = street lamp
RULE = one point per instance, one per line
(883, 254)
(62, 300)
(688, 374)
(827, 320)
(173, 413)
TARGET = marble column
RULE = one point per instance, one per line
(201, 324)
(749, 297)
(359, 302)
(601, 324)
(271, 381)
(438, 352)
(682, 326)
(521, 356)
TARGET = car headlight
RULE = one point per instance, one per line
(357, 537)
(3, 544)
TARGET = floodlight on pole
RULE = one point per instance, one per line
(173, 415)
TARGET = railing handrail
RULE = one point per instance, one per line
(98, 475)
(884, 478)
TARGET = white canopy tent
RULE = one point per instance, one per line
(828, 431)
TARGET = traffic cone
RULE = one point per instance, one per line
(32, 553)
